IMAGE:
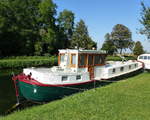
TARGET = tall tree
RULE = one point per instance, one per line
(18, 25)
(138, 48)
(108, 45)
(30, 24)
(145, 20)
(122, 37)
(66, 24)
(81, 38)
(47, 10)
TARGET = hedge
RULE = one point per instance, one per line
(28, 62)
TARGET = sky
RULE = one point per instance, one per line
(101, 16)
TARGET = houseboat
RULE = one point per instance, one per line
(77, 70)
(145, 58)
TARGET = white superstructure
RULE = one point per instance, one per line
(145, 58)
(79, 66)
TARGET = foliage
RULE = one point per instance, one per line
(47, 10)
(19, 26)
(108, 45)
(66, 24)
(17, 62)
(123, 100)
(81, 38)
(122, 37)
(145, 20)
(29, 27)
(138, 48)
(117, 58)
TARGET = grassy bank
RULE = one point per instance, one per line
(31, 61)
(128, 99)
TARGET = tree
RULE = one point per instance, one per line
(145, 20)
(66, 25)
(47, 10)
(18, 26)
(122, 37)
(81, 38)
(108, 45)
(31, 24)
(138, 48)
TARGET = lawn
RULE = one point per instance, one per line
(128, 99)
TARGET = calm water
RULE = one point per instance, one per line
(7, 91)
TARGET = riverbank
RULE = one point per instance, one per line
(7, 91)
(24, 61)
(127, 99)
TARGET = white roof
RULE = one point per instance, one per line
(144, 55)
(82, 51)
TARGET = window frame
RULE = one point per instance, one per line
(92, 55)
(85, 60)
(100, 55)
(59, 58)
(71, 60)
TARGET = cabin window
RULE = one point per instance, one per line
(73, 59)
(141, 57)
(97, 59)
(129, 66)
(62, 57)
(90, 60)
(148, 57)
(82, 60)
(122, 68)
(78, 77)
(64, 78)
(145, 57)
(103, 59)
(114, 70)
(135, 65)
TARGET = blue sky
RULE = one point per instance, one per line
(101, 15)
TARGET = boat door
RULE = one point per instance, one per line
(91, 65)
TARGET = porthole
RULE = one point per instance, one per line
(122, 68)
(78, 77)
(114, 70)
(64, 78)
(129, 66)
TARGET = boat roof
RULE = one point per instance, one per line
(82, 51)
(145, 54)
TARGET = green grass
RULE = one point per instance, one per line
(128, 99)
(31, 61)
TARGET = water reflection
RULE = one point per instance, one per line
(7, 91)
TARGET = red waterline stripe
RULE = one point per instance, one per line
(31, 81)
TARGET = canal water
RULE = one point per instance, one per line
(7, 91)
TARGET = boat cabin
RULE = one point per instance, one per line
(81, 60)
(145, 58)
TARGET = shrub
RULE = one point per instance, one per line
(117, 58)
(32, 61)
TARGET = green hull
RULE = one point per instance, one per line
(48, 93)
